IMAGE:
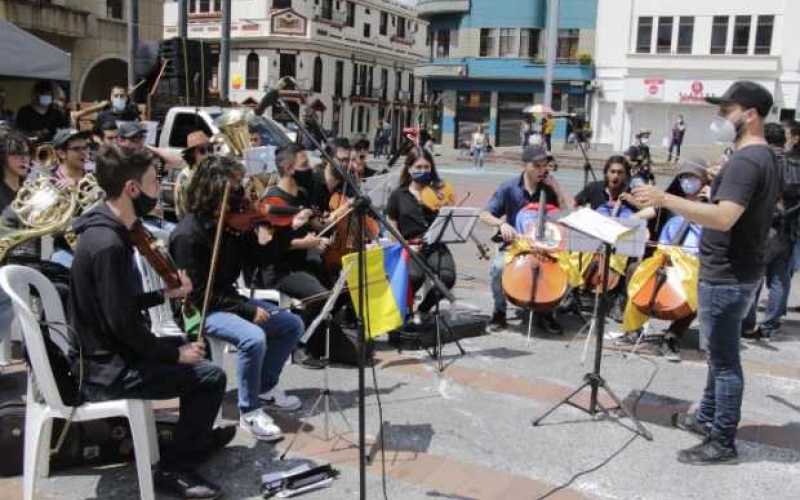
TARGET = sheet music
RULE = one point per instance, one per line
(586, 220)
(379, 187)
(152, 132)
(631, 243)
(260, 160)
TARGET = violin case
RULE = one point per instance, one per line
(463, 323)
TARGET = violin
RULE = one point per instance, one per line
(272, 210)
(663, 296)
(534, 279)
(154, 251)
(345, 237)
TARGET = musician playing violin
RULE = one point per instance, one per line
(290, 262)
(121, 357)
(263, 334)
(412, 218)
(692, 183)
(501, 213)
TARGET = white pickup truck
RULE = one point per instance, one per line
(180, 121)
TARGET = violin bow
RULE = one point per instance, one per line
(223, 209)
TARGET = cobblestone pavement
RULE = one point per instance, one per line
(466, 433)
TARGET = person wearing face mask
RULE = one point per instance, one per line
(691, 183)
(121, 357)
(501, 213)
(198, 147)
(678, 133)
(41, 118)
(264, 335)
(119, 110)
(412, 218)
(735, 225)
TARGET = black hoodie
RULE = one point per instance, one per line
(107, 302)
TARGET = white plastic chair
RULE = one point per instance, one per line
(17, 281)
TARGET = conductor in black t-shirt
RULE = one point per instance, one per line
(732, 261)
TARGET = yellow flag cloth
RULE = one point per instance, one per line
(688, 267)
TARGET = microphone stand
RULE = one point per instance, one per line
(587, 165)
(362, 207)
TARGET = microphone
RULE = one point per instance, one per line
(272, 94)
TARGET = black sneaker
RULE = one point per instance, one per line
(185, 484)
(709, 452)
(221, 437)
(754, 333)
(670, 350)
(302, 358)
(688, 422)
(550, 324)
(497, 323)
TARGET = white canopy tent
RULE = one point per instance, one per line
(28, 56)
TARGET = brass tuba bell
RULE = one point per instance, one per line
(234, 130)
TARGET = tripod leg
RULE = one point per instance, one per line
(564, 401)
(530, 327)
(639, 427)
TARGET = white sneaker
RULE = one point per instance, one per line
(276, 399)
(260, 425)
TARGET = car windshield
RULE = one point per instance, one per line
(271, 134)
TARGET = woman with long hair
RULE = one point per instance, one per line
(412, 218)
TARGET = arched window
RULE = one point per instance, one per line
(251, 72)
(318, 74)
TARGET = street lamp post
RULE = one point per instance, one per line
(552, 50)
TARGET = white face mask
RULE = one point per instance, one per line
(45, 100)
(723, 130)
(118, 103)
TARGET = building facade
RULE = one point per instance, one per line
(94, 32)
(486, 63)
(656, 60)
(353, 60)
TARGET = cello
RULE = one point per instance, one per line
(534, 279)
(662, 296)
(593, 275)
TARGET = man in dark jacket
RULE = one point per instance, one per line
(119, 110)
(121, 357)
(41, 118)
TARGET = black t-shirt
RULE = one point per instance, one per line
(412, 217)
(129, 114)
(595, 195)
(7, 195)
(30, 121)
(752, 180)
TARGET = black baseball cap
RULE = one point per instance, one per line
(746, 94)
(533, 154)
(64, 135)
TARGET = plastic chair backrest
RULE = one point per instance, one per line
(16, 282)
(151, 281)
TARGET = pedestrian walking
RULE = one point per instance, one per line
(478, 147)
(678, 133)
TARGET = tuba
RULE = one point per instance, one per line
(42, 208)
(45, 155)
(235, 132)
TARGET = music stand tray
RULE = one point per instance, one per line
(452, 225)
(587, 230)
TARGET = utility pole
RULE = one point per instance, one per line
(552, 50)
(133, 40)
(183, 19)
(225, 50)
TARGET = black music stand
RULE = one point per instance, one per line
(452, 225)
(594, 379)
(587, 165)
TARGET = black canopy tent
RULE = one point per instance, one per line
(27, 56)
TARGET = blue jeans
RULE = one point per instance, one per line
(496, 281)
(477, 156)
(721, 309)
(778, 280)
(263, 349)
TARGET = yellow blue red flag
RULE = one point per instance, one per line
(386, 297)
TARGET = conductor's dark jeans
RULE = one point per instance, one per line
(721, 310)
(200, 389)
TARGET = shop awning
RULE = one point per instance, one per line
(28, 56)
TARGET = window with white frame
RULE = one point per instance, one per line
(487, 42)
(741, 34)
(644, 35)
(685, 34)
(529, 42)
(764, 35)
(664, 35)
(507, 36)
(719, 34)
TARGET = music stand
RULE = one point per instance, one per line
(586, 231)
(452, 225)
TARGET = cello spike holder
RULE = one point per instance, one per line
(594, 380)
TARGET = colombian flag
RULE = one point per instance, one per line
(386, 294)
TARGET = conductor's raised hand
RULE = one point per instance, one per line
(649, 196)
